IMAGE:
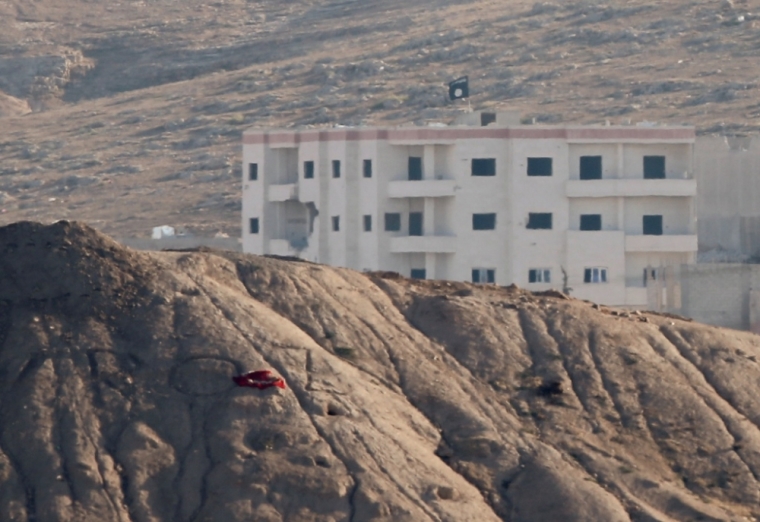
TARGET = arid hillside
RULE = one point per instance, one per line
(405, 400)
(129, 115)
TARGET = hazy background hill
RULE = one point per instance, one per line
(128, 115)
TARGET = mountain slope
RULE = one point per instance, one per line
(139, 106)
(406, 400)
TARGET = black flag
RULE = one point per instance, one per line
(459, 89)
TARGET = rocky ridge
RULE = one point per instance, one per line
(406, 400)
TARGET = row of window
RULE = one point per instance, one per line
(308, 169)
(535, 275)
(590, 275)
(590, 168)
(652, 225)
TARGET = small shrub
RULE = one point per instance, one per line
(345, 352)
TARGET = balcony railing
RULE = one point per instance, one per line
(664, 243)
(603, 188)
(423, 244)
(423, 188)
(279, 193)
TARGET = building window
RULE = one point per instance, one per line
(654, 167)
(253, 171)
(591, 221)
(539, 275)
(540, 220)
(336, 168)
(591, 167)
(483, 166)
(483, 275)
(253, 225)
(487, 118)
(652, 225)
(368, 223)
(415, 223)
(651, 274)
(595, 275)
(415, 169)
(308, 169)
(483, 221)
(392, 222)
(367, 168)
(539, 166)
(418, 273)
(336, 223)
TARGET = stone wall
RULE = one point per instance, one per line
(727, 171)
(721, 294)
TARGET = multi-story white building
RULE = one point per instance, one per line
(483, 200)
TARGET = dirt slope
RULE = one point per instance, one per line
(406, 400)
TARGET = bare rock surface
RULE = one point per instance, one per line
(406, 400)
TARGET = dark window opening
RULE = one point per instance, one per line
(652, 225)
(591, 221)
(308, 169)
(368, 223)
(539, 275)
(654, 167)
(415, 223)
(253, 225)
(591, 167)
(483, 275)
(540, 220)
(650, 274)
(418, 273)
(415, 168)
(539, 166)
(483, 221)
(483, 167)
(486, 118)
(336, 223)
(367, 168)
(595, 275)
(392, 222)
(336, 168)
(253, 171)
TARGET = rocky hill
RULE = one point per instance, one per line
(404, 400)
(137, 108)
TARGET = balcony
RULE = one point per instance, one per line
(423, 188)
(605, 188)
(423, 244)
(593, 242)
(279, 193)
(665, 243)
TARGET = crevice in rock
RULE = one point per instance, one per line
(682, 352)
(610, 387)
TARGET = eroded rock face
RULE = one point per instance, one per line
(406, 400)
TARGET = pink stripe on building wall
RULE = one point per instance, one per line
(455, 133)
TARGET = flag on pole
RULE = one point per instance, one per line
(459, 89)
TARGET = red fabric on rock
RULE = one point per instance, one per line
(260, 379)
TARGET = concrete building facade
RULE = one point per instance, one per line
(593, 208)
(727, 170)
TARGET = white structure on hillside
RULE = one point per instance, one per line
(483, 200)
